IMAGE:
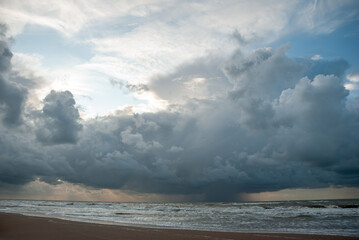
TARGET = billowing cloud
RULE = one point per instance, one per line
(202, 78)
(252, 122)
(58, 119)
(12, 95)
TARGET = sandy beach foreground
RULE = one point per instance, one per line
(15, 226)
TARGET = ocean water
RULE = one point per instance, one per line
(335, 217)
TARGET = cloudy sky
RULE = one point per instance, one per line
(164, 100)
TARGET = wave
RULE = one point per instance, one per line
(123, 213)
(330, 216)
(348, 205)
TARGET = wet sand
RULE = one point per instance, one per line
(15, 226)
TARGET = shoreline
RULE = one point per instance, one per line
(147, 226)
(16, 226)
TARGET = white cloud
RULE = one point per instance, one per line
(351, 86)
(316, 57)
(136, 40)
(353, 77)
(264, 20)
(73, 78)
(69, 17)
(152, 48)
(322, 17)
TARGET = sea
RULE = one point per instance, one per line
(332, 217)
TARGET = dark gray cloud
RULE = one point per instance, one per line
(12, 95)
(59, 118)
(130, 87)
(254, 122)
(239, 38)
(11, 102)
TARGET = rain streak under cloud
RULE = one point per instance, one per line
(221, 107)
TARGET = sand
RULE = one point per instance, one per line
(15, 226)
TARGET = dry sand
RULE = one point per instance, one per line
(15, 226)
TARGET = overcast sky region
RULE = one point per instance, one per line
(165, 100)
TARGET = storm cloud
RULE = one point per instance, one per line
(254, 122)
(58, 119)
(12, 95)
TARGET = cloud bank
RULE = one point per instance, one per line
(12, 95)
(253, 122)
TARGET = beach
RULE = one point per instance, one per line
(16, 226)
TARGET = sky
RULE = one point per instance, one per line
(164, 100)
